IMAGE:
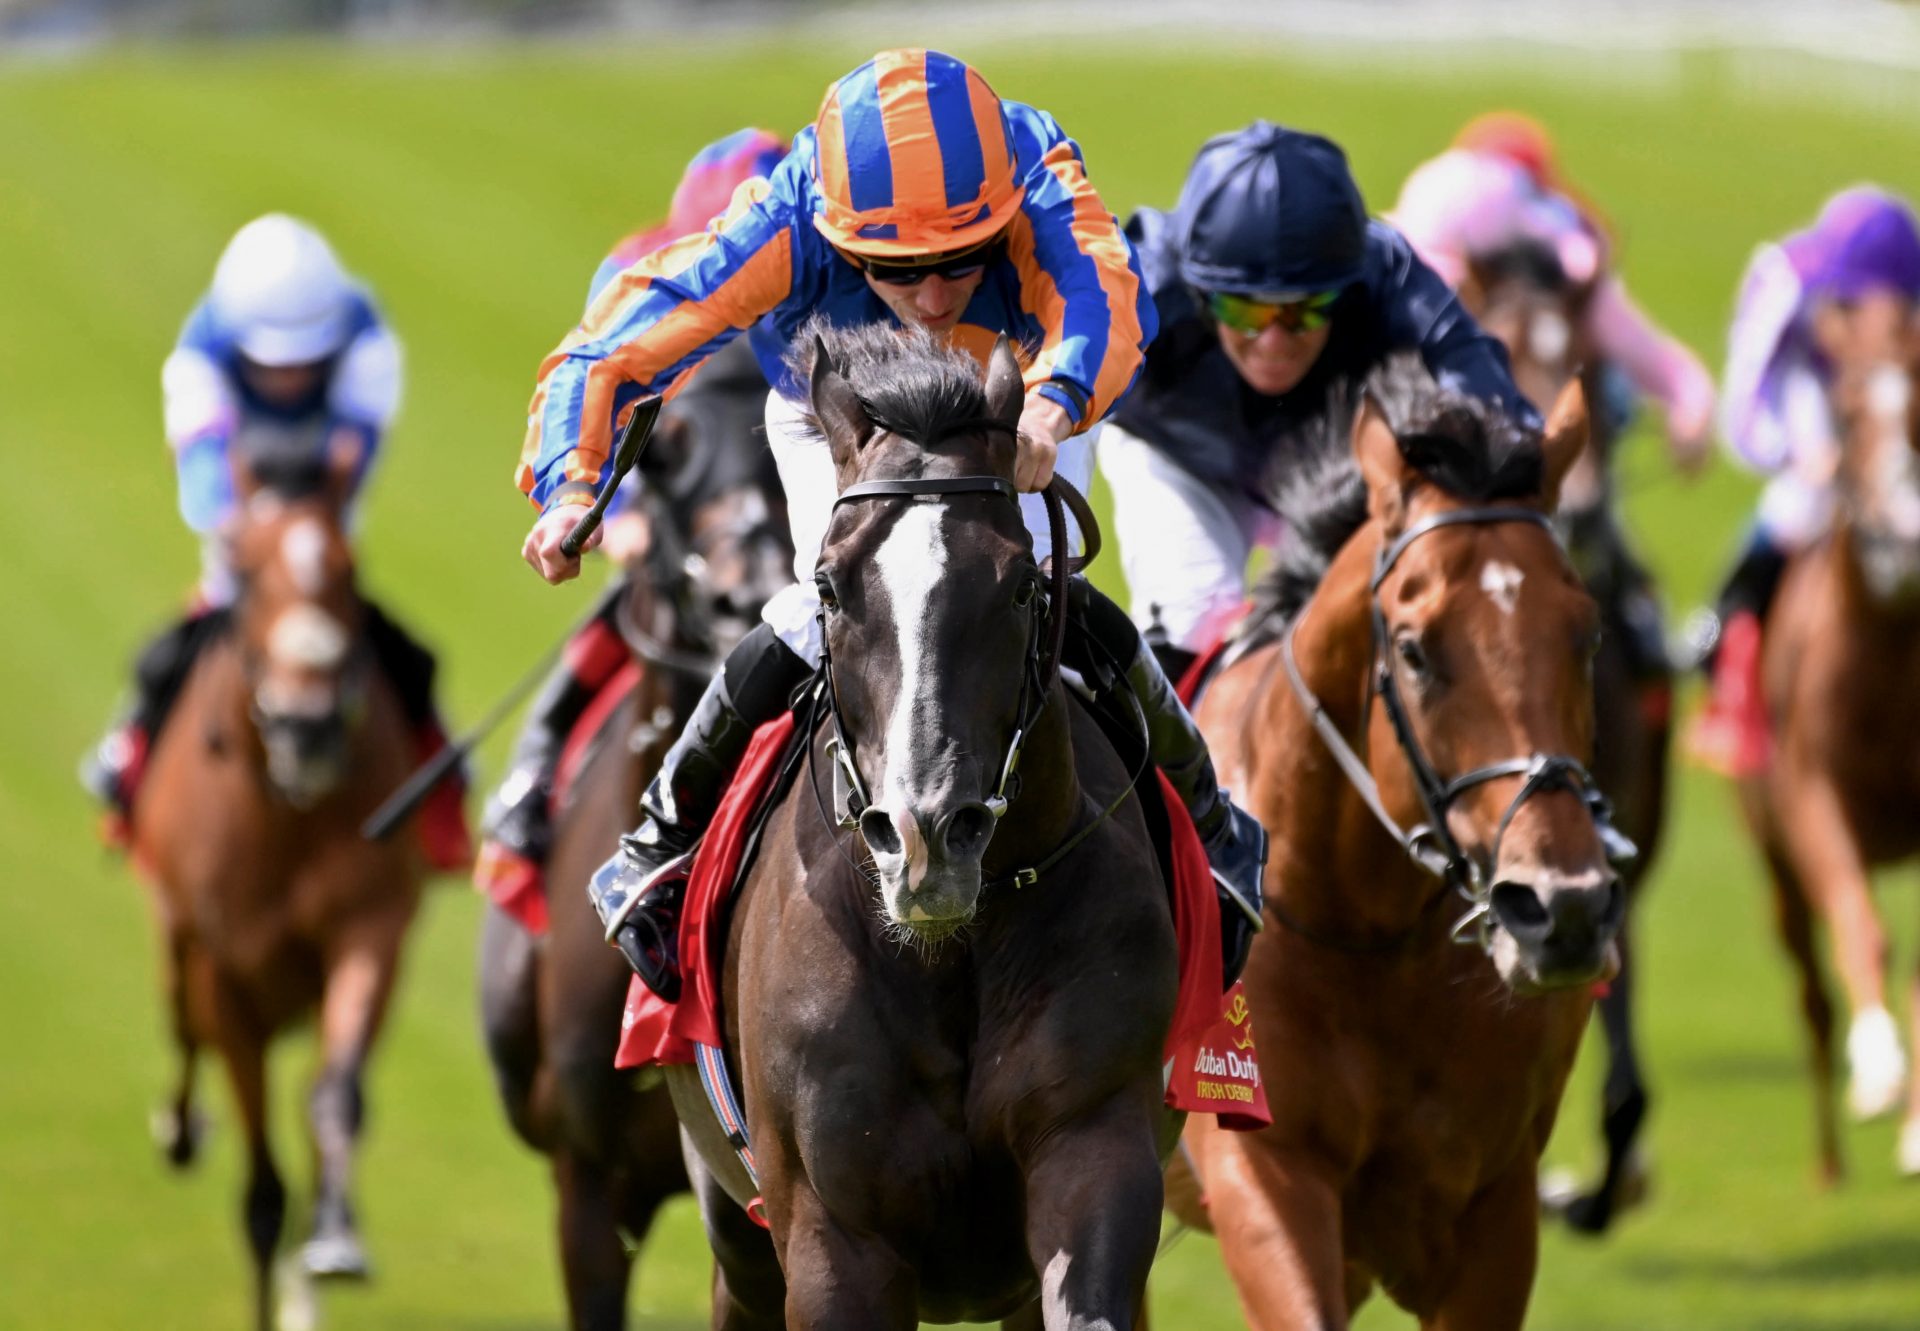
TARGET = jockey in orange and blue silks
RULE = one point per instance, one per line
(917, 198)
(284, 337)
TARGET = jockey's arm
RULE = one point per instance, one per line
(1658, 365)
(1080, 279)
(200, 417)
(645, 333)
(1420, 312)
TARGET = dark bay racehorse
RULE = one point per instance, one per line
(248, 826)
(952, 1081)
(1841, 653)
(551, 1007)
(1523, 298)
(1412, 733)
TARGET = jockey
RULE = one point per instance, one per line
(283, 336)
(518, 822)
(1777, 418)
(917, 198)
(1272, 288)
(1499, 186)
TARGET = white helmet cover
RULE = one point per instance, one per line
(282, 291)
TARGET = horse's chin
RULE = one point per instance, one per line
(943, 905)
(1527, 974)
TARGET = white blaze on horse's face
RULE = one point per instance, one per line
(1889, 398)
(1501, 582)
(303, 549)
(911, 562)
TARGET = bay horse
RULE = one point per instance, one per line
(947, 1033)
(551, 1006)
(1410, 723)
(247, 826)
(1523, 297)
(1840, 653)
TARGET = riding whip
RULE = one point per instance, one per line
(626, 451)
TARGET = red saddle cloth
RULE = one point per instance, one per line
(1210, 1062)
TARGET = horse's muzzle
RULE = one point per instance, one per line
(930, 880)
(1561, 928)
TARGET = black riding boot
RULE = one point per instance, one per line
(519, 816)
(1749, 589)
(638, 892)
(159, 674)
(1236, 844)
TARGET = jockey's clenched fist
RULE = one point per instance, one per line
(1043, 425)
(542, 546)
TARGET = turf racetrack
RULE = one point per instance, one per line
(476, 190)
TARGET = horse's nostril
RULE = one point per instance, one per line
(876, 825)
(1519, 908)
(967, 831)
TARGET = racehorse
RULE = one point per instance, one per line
(247, 825)
(551, 1007)
(1410, 722)
(1839, 655)
(948, 1034)
(1522, 297)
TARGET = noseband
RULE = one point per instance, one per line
(1431, 844)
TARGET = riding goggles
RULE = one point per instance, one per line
(913, 271)
(1252, 315)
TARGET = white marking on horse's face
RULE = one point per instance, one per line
(305, 637)
(1501, 582)
(911, 562)
(1548, 337)
(303, 548)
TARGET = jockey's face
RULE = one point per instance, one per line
(1274, 360)
(934, 303)
(282, 385)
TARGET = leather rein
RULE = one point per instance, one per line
(1045, 644)
(1431, 844)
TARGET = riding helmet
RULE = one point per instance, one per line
(280, 289)
(1268, 209)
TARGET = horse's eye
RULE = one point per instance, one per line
(1023, 594)
(823, 583)
(1411, 653)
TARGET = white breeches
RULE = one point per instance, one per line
(1184, 544)
(807, 475)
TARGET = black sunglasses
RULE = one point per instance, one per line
(913, 272)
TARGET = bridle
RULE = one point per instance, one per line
(1431, 844)
(1046, 641)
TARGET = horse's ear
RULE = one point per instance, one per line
(1564, 441)
(1382, 465)
(1006, 389)
(837, 407)
(346, 450)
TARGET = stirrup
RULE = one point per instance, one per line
(616, 904)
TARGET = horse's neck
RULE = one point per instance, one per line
(1340, 874)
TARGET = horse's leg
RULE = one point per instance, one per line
(243, 1048)
(1908, 1157)
(1276, 1213)
(359, 981)
(510, 1017)
(841, 1280)
(749, 1293)
(1827, 860)
(1498, 1242)
(1093, 1218)
(1623, 1104)
(178, 1125)
(1793, 916)
(593, 1260)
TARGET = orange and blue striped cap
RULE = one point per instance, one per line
(913, 155)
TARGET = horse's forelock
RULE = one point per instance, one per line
(908, 382)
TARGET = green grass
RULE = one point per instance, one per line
(476, 191)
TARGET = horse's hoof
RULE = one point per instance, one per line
(1559, 1189)
(1879, 1067)
(336, 1257)
(178, 1135)
(1908, 1154)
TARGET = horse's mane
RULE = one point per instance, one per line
(1468, 448)
(289, 460)
(909, 383)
